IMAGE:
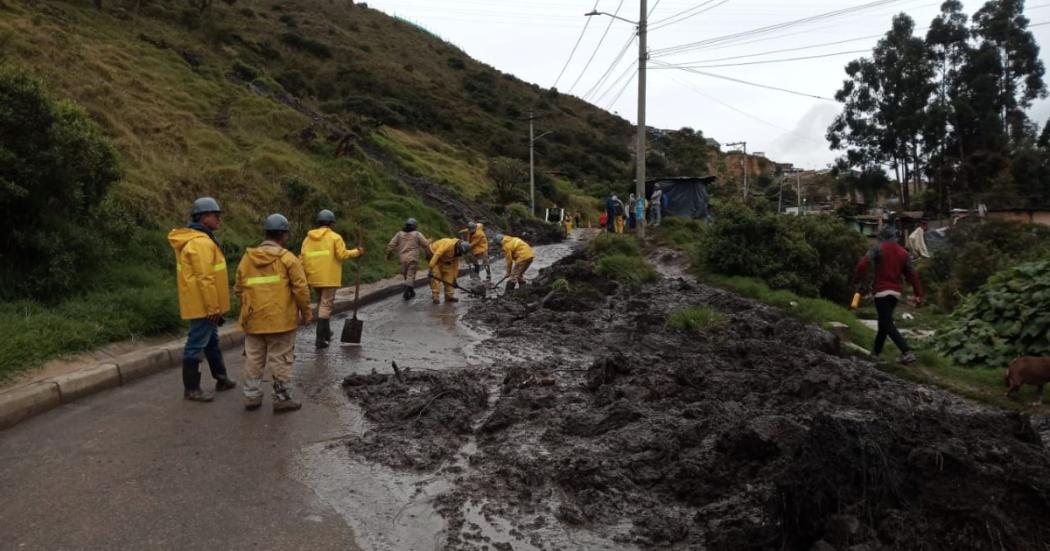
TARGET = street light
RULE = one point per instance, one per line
(643, 57)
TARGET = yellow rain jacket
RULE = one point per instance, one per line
(444, 264)
(322, 256)
(516, 250)
(273, 291)
(479, 242)
(204, 288)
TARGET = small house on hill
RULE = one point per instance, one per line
(688, 196)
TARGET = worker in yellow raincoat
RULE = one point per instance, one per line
(322, 255)
(272, 288)
(444, 266)
(475, 236)
(519, 256)
(204, 296)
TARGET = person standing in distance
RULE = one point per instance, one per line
(272, 288)
(204, 296)
(408, 243)
(322, 254)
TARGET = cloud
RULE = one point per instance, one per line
(806, 146)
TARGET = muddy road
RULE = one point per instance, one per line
(602, 427)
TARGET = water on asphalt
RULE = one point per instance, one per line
(138, 467)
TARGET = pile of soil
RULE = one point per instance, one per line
(755, 435)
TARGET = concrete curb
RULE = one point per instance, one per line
(23, 402)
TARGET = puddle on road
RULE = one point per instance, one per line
(389, 509)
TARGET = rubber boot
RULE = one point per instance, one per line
(510, 286)
(488, 273)
(282, 399)
(451, 299)
(191, 382)
(252, 403)
(217, 365)
(321, 340)
(328, 330)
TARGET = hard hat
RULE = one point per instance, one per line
(472, 226)
(276, 222)
(204, 205)
(497, 239)
(411, 223)
(462, 248)
(326, 216)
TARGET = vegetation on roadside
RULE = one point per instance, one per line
(619, 258)
(696, 319)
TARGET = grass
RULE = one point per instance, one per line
(632, 271)
(607, 244)
(696, 319)
(983, 385)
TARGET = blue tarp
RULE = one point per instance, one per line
(688, 196)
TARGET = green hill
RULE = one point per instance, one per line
(289, 107)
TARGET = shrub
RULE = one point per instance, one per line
(696, 319)
(632, 271)
(811, 256)
(1008, 317)
(976, 250)
(55, 170)
(607, 244)
(244, 71)
(301, 43)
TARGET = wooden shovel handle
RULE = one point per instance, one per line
(357, 285)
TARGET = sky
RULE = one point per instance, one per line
(533, 39)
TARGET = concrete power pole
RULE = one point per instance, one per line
(532, 170)
(643, 57)
(743, 164)
(798, 188)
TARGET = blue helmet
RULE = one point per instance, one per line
(276, 222)
(205, 205)
(325, 217)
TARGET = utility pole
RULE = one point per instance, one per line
(532, 170)
(743, 163)
(798, 188)
(643, 58)
(780, 197)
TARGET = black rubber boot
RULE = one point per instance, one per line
(322, 334)
(510, 286)
(488, 273)
(217, 365)
(408, 292)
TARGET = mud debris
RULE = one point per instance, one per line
(756, 436)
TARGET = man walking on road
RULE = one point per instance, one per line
(917, 241)
(444, 267)
(204, 296)
(272, 288)
(892, 263)
(519, 256)
(408, 243)
(322, 255)
(479, 250)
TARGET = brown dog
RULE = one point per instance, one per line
(1030, 370)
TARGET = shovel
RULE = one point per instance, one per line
(475, 292)
(353, 327)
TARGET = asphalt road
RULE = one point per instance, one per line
(137, 467)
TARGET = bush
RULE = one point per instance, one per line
(301, 43)
(1008, 317)
(607, 244)
(55, 170)
(975, 251)
(810, 255)
(632, 271)
(696, 319)
(244, 71)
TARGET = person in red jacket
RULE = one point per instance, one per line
(892, 264)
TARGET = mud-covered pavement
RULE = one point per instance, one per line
(600, 427)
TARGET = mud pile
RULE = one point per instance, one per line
(755, 435)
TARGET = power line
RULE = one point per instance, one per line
(577, 45)
(769, 28)
(782, 60)
(782, 50)
(613, 65)
(687, 10)
(627, 84)
(598, 47)
(690, 16)
(653, 9)
(747, 82)
(627, 71)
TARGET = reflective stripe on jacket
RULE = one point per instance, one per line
(272, 288)
(322, 255)
(201, 275)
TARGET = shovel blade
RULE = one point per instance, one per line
(352, 331)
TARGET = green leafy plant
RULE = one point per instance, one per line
(696, 319)
(608, 244)
(1006, 318)
(632, 271)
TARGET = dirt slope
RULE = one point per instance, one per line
(753, 436)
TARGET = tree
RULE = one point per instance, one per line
(508, 175)
(885, 105)
(678, 153)
(1002, 26)
(948, 44)
(55, 171)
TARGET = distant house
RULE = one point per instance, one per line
(1031, 216)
